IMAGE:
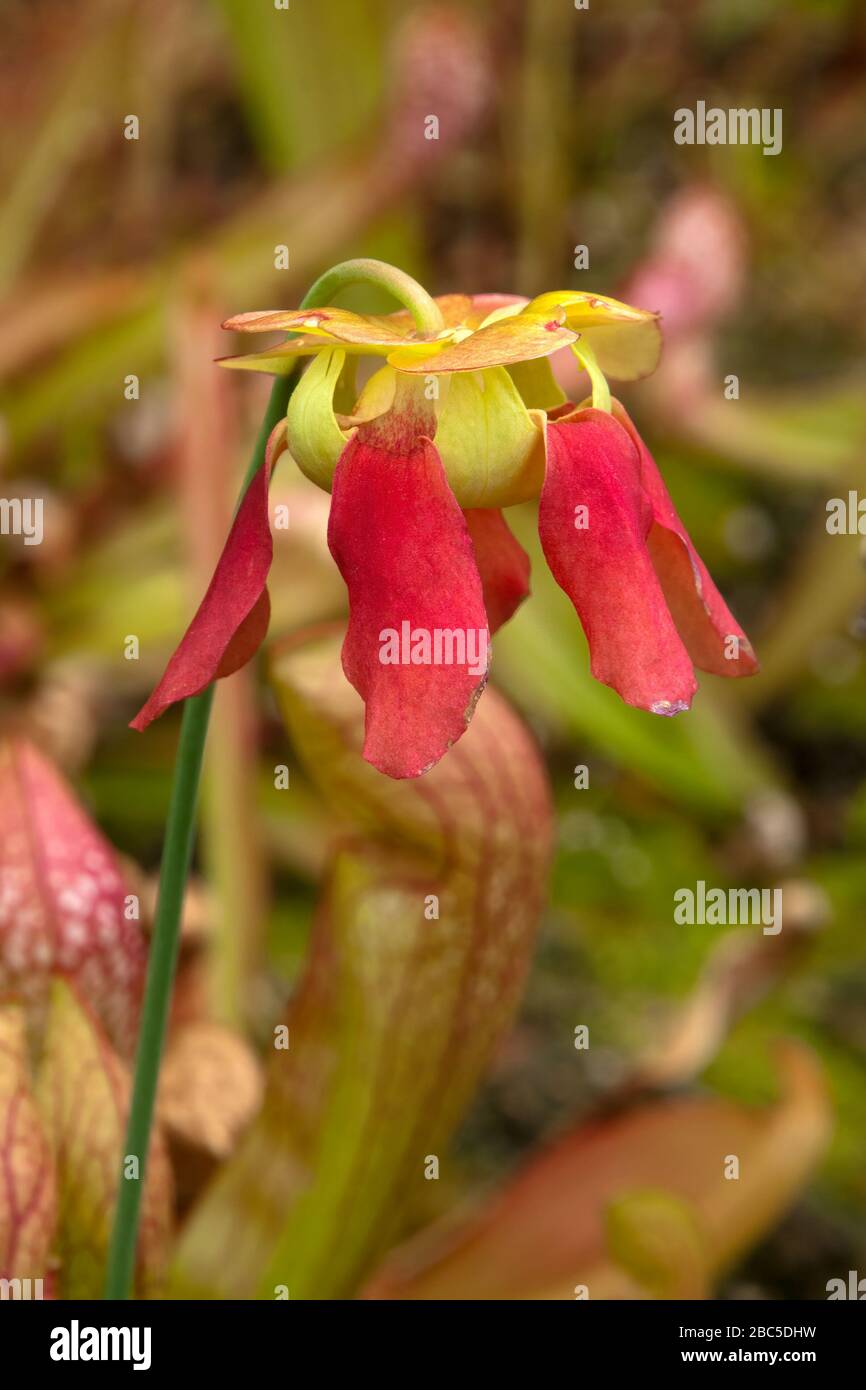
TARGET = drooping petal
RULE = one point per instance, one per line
(594, 520)
(626, 340)
(232, 618)
(713, 637)
(404, 550)
(502, 563)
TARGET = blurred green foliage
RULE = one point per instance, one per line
(262, 127)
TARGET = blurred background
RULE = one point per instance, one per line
(260, 129)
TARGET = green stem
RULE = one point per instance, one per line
(179, 833)
(162, 961)
(424, 310)
(180, 826)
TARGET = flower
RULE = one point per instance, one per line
(458, 422)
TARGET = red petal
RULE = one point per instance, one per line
(502, 563)
(404, 550)
(605, 567)
(232, 618)
(703, 619)
(248, 638)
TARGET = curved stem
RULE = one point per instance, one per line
(424, 309)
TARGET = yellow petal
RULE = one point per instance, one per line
(626, 341)
(519, 338)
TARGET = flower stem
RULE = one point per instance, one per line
(424, 310)
(179, 836)
(180, 826)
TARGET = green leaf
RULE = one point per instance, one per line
(638, 1204)
(296, 121)
(416, 965)
(28, 1198)
(83, 1092)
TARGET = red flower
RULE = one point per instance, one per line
(456, 425)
